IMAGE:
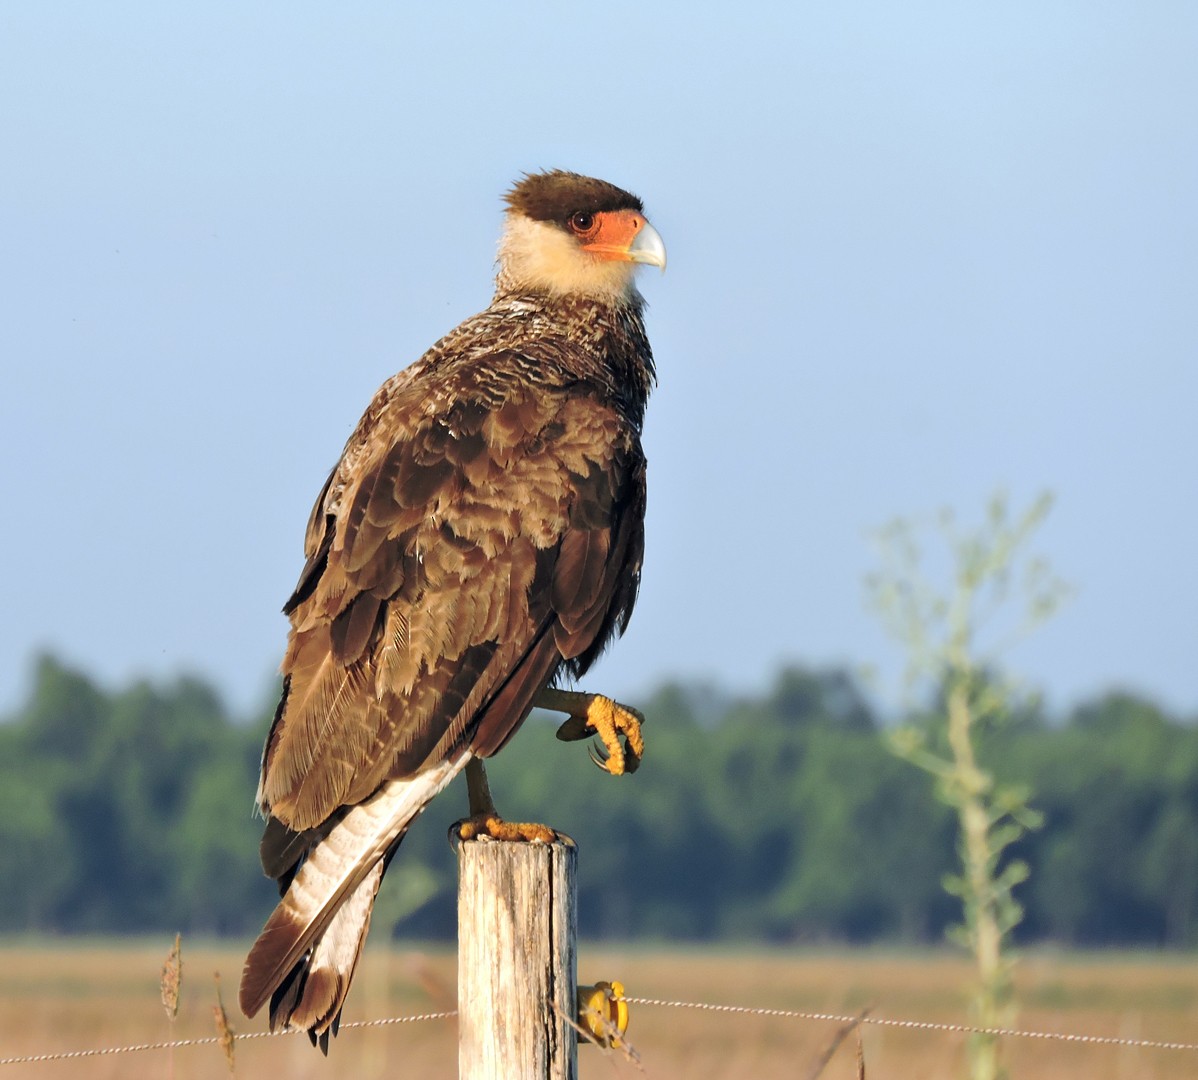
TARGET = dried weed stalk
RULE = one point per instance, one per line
(172, 979)
(224, 1032)
(842, 1033)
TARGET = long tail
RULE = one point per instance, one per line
(304, 959)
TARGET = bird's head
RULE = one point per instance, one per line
(572, 234)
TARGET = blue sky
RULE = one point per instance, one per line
(918, 253)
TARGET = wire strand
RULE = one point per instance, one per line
(742, 1010)
(922, 1025)
(64, 1055)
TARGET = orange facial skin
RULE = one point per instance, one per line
(608, 234)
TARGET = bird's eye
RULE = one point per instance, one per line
(582, 221)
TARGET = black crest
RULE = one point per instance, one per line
(556, 195)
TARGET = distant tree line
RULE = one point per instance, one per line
(779, 818)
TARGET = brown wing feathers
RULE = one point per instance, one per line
(430, 615)
(404, 619)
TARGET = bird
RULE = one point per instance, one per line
(477, 546)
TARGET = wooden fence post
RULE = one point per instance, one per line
(517, 931)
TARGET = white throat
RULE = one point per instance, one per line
(539, 256)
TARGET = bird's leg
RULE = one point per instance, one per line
(484, 819)
(478, 790)
(593, 714)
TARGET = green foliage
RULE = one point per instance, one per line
(143, 822)
(780, 817)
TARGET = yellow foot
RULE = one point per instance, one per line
(493, 826)
(593, 714)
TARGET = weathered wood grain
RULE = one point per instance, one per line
(517, 930)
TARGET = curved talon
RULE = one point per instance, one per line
(621, 745)
(615, 764)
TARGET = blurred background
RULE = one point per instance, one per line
(916, 254)
(919, 254)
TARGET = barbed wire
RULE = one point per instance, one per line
(211, 1039)
(922, 1025)
(744, 1010)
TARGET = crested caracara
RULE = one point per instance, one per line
(478, 543)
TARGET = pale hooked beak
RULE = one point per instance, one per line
(648, 247)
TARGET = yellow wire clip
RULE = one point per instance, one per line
(603, 1012)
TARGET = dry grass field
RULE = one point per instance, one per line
(65, 996)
